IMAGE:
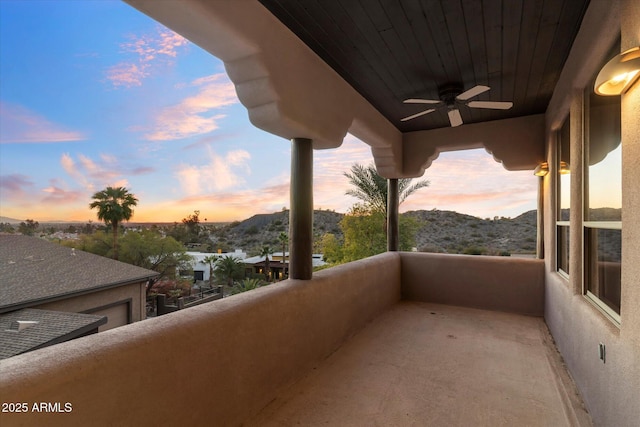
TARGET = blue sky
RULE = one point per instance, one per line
(94, 93)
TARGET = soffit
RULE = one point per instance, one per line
(390, 50)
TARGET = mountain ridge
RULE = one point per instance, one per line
(438, 231)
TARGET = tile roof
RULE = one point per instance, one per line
(50, 327)
(33, 271)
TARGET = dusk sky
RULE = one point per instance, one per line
(96, 94)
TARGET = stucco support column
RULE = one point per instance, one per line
(301, 213)
(393, 223)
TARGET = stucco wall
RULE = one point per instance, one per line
(215, 363)
(492, 283)
(134, 295)
(610, 389)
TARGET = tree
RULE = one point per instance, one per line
(265, 252)
(97, 243)
(228, 268)
(192, 224)
(114, 205)
(149, 249)
(6, 227)
(331, 249)
(361, 238)
(28, 227)
(211, 261)
(364, 237)
(371, 188)
(284, 239)
(363, 232)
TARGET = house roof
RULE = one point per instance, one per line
(48, 328)
(33, 271)
(260, 260)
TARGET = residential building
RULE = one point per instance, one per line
(202, 269)
(279, 268)
(402, 338)
(38, 274)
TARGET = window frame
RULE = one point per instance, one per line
(564, 132)
(589, 225)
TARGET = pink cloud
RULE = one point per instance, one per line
(106, 170)
(127, 74)
(57, 195)
(472, 182)
(20, 125)
(147, 53)
(223, 206)
(210, 139)
(142, 170)
(195, 114)
(15, 186)
(219, 173)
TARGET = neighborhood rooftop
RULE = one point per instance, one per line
(34, 270)
(29, 329)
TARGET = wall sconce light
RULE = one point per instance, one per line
(564, 168)
(619, 73)
(542, 169)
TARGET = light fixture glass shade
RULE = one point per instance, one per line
(542, 169)
(619, 73)
(564, 168)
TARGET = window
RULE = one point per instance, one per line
(603, 200)
(564, 198)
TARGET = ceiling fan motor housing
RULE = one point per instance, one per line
(449, 92)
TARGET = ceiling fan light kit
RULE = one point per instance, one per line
(451, 96)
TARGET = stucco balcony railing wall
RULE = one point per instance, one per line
(228, 359)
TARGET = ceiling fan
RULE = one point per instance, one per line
(451, 96)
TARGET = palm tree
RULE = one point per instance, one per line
(265, 252)
(114, 206)
(283, 239)
(247, 284)
(211, 261)
(371, 188)
(228, 267)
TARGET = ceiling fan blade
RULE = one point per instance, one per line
(477, 90)
(420, 101)
(455, 118)
(422, 113)
(491, 104)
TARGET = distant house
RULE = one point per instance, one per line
(278, 265)
(35, 273)
(201, 269)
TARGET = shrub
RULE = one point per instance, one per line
(474, 250)
(172, 287)
(247, 285)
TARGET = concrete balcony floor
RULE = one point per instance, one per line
(437, 365)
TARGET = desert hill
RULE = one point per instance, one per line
(439, 231)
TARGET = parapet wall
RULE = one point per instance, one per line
(492, 283)
(214, 364)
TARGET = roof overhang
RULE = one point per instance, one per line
(291, 92)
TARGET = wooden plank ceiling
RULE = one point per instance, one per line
(391, 50)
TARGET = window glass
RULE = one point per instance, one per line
(563, 168)
(603, 199)
(563, 248)
(604, 256)
(564, 196)
(603, 176)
